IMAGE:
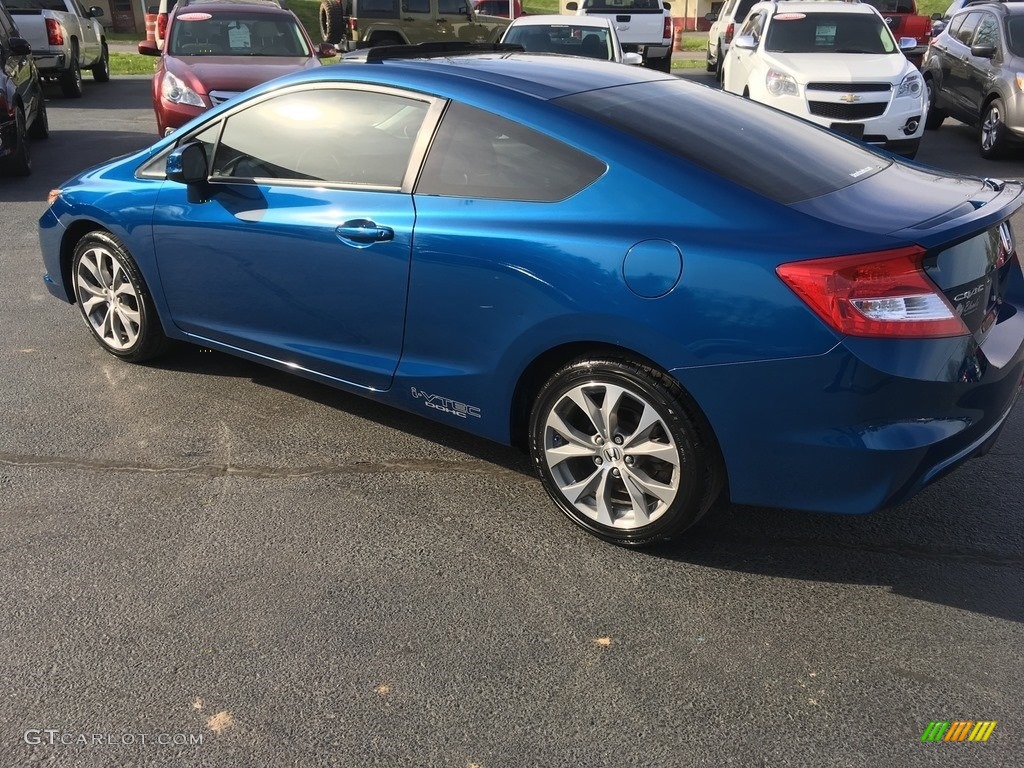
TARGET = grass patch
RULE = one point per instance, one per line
(132, 64)
(688, 64)
(308, 12)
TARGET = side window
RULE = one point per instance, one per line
(350, 137)
(988, 31)
(477, 154)
(743, 10)
(457, 7)
(753, 26)
(416, 6)
(966, 30)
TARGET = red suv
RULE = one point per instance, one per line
(216, 50)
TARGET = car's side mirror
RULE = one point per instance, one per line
(746, 42)
(148, 48)
(188, 164)
(936, 17)
(19, 46)
(668, 6)
(326, 51)
(95, 12)
(712, 17)
(907, 43)
(632, 58)
(983, 51)
(571, 7)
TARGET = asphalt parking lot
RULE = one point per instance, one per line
(210, 563)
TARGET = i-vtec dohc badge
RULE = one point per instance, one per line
(446, 404)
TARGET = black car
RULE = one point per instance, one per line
(22, 106)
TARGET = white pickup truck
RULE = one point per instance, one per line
(65, 38)
(643, 26)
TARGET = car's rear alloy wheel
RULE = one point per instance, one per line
(617, 451)
(114, 300)
(992, 132)
(933, 115)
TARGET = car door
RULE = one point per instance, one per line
(298, 249)
(421, 21)
(982, 70)
(453, 18)
(956, 81)
(740, 63)
(90, 41)
(17, 71)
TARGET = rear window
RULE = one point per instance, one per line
(36, 5)
(780, 157)
(743, 9)
(623, 6)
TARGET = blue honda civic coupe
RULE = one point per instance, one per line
(666, 294)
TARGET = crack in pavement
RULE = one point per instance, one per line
(234, 470)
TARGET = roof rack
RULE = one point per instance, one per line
(437, 48)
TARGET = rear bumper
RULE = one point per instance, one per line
(49, 63)
(864, 426)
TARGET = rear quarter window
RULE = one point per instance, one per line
(768, 152)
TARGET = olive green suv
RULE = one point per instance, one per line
(352, 24)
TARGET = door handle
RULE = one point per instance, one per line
(408, 18)
(361, 233)
(442, 21)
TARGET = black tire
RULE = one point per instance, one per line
(598, 465)
(40, 128)
(332, 21)
(720, 68)
(935, 115)
(661, 64)
(128, 324)
(101, 69)
(71, 80)
(19, 162)
(708, 63)
(911, 153)
(992, 139)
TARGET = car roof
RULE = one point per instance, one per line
(556, 19)
(822, 6)
(228, 7)
(1012, 8)
(539, 75)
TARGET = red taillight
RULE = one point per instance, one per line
(54, 33)
(161, 25)
(728, 32)
(666, 33)
(353, 24)
(882, 294)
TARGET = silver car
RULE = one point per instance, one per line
(974, 72)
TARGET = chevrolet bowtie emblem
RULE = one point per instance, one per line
(849, 98)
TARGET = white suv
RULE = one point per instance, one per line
(833, 63)
(725, 25)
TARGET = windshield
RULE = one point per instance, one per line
(36, 5)
(202, 34)
(829, 33)
(565, 39)
(767, 151)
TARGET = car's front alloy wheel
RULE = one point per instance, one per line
(114, 300)
(992, 132)
(618, 452)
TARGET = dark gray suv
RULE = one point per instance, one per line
(974, 72)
